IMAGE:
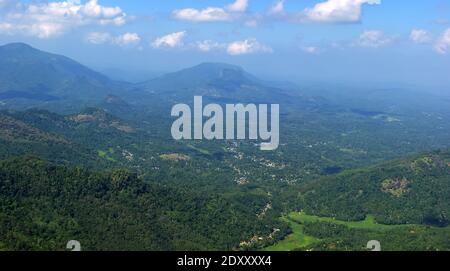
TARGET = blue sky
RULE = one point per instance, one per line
(403, 41)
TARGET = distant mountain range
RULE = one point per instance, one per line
(219, 82)
(33, 78)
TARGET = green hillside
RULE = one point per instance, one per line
(413, 190)
(42, 206)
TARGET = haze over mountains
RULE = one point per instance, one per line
(30, 77)
(100, 164)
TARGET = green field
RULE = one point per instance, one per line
(369, 223)
(105, 155)
(298, 240)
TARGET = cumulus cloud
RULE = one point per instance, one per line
(235, 48)
(443, 44)
(420, 36)
(169, 41)
(336, 11)
(373, 39)
(212, 14)
(209, 14)
(327, 11)
(248, 46)
(127, 39)
(49, 19)
(238, 6)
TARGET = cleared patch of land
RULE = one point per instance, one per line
(294, 241)
(175, 157)
(298, 240)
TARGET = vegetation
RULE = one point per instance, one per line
(44, 205)
(321, 233)
(413, 190)
(87, 158)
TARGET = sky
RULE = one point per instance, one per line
(362, 41)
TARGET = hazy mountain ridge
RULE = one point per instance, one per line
(220, 82)
(33, 78)
(30, 77)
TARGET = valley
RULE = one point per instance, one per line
(96, 162)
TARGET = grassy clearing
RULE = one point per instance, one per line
(104, 155)
(298, 240)
(369, 223)
(202, 151)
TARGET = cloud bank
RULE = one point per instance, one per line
(169, 41)
(49, 19)
(337, 11)
(212, 14)
(127, 39)
(443, 44)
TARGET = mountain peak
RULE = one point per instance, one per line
(40, 78)
(17, 46)
(218, 65)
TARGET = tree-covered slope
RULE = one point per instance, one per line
(412, 190)
(42, 206)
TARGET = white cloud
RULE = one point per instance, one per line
(49, 19)
(170, 40)
(208, 45)
(212, 14)
(248, 46)
(6, 28)
(443, 44)
(235, 48)
(127, 39)
(420, 36)
(99, 38)
(336, 11)
(45, 30)
(277, 8)
(40, 30)
(209, 14)
(238, 6)
(373, 39)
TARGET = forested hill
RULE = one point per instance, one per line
(413, 190)
(43, 206)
